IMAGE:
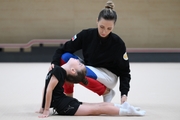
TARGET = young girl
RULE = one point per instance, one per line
(74, 72)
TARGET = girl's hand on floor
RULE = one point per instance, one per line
(45, 114)
(40, 111)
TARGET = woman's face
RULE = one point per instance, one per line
(105, 27)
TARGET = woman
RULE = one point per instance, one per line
(74, 72)
(104, 55)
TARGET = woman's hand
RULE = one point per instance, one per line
(51, 67)
(45, 114)
(123, 99)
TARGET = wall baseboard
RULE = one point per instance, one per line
(44, 54)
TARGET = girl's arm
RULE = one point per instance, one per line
(41, 109)
(52, 84)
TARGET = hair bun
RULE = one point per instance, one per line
(109, 5)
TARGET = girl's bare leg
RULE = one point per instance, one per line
(97, 109)
(107, 109)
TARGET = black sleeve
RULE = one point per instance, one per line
(71, 46)
(124, 70)
(60, 74)
(57, 72)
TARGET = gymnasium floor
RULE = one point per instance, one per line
(155, 88)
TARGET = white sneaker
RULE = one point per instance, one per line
(108, 97)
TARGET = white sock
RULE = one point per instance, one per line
(123, 112)
(133, 111)
(130, 111)
(108, 97)
(125, 105)
(118, 105)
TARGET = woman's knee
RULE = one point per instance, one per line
(108, 83)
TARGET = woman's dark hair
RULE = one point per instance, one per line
(108, 13)
(80, 77)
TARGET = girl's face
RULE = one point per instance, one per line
(76, 64)
(105, 27)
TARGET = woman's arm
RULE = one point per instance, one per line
(74, 44)
(124, 72)
(52, 84)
